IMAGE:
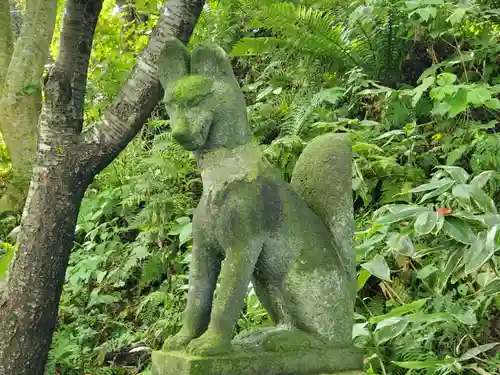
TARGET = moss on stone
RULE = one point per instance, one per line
(191, 87)
(253, 361)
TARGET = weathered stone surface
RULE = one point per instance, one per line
(293, 241)
(256, 362)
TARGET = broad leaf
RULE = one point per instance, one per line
(493, 104)
(425, 222)
(482, 178)
(461, 191)
(437, 192)
(492, 288)
(6, 258)
(363, 277)
(483, 253)
(426, 271)
(482, 199)
(378, 267)
(401, 310)
(459, 230)
(404, 245)
(432, 185)
(430, 363)
(458, 174)
(473, 352)
(458, 103)
(403, 214)
(445, 79)
(389, 329)
(451, 265)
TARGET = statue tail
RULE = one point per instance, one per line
(323, 178)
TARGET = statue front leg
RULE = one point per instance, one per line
(235, 276)
(204, 270)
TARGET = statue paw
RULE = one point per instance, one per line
(209, 343)
(179, 341)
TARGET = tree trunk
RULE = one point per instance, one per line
(6, 45)
(67, 162)
(20, 91)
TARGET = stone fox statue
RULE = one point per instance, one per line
(292, 241)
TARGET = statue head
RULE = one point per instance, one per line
(202, 97)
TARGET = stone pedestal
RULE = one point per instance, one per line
(257, 362)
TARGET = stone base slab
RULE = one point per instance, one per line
(347, 361)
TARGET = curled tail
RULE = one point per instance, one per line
(323, 178)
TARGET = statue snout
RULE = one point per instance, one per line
(186, 139)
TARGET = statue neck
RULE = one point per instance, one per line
(223, 164)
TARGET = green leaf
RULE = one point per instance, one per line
(432, 185)
(403, 214)
(264, 93)
(425, 13)
(478, 96)
(185, 233)
(6, 258)
(363, 277)
(389, 329)
(482, 178)
(425, 272)
(359, 329)
(430, 363)
(461, 191)
(443, 93)
(459, 230)
(418, 91)
(400, 311)
(378, 267)
(437, 192)
(458, 103)
(492, 288)
(474, 249)
(473, 352)
(468, 317)
(458, 174)
(451, 265)
(456, 154)
(404, 245)
(446, 79)
(481, 254)
(440, 108)
(440, 222)
(362, 146)
(492, 104)
(368, 244)
(482, 200)
(457, 16)
(425, 222)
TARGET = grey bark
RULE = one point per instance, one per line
(67, 162)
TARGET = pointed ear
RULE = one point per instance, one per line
(173, 63)
(212, 61)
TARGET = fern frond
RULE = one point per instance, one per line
(257, 46)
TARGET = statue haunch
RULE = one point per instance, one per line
(292, 241)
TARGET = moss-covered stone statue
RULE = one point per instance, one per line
(292, 241)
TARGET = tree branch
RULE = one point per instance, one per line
(135, 102)
(77, 34)
(6, 45)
